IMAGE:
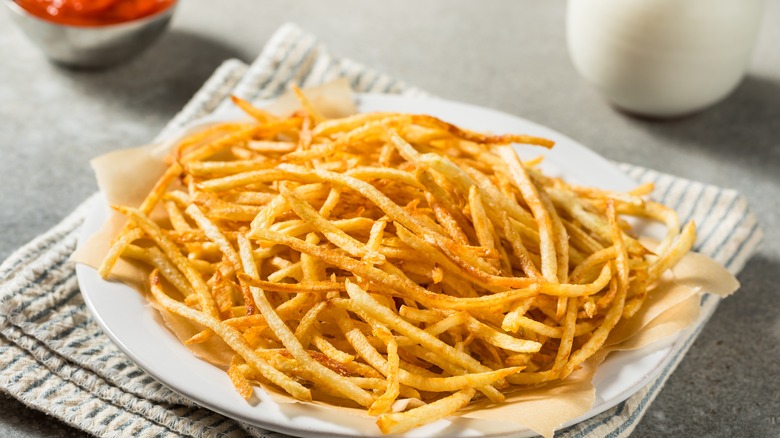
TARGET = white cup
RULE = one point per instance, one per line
(663, 58)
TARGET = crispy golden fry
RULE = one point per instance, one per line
(307, 105)
(238, 378)
(405, 421)
(120, 244)
(393, 389)
(260, 115)
(386, 256)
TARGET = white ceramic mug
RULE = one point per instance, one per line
(663, 58)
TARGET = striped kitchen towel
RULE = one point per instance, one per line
(55, 358)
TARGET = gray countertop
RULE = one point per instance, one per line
(506, 55)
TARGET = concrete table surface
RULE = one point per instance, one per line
(505, 55)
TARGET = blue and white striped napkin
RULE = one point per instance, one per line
(55, 358)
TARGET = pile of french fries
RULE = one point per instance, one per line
(385, 260)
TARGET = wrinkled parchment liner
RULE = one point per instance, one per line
(126, 176)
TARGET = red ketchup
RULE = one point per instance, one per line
(93, 12)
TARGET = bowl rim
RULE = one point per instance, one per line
(161, 14)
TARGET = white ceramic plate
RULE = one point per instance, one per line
(138, 331)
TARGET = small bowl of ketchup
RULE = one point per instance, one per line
(92, 33)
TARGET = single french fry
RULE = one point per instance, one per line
(405, 421)
(258, 114)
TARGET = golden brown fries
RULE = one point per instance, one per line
(378, 257)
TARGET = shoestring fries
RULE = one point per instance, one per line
(379, 257)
